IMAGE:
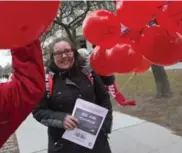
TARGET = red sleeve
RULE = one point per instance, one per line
(19, 96)
(118, 96)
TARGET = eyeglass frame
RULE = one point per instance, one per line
(67, 52)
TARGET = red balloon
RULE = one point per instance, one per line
(169, 17)
(133, 34)
(143, 66)
(124, 56)
(159, 47)
(174, 8)
(136, 14)
(99, 61)
(160, 4)
(102, 28)
(175, 12)
(24, 21)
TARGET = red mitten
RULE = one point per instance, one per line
(112, 89)
(128, 103)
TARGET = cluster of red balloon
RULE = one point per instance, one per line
(144, 43)
(25, 21)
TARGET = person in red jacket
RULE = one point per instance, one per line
(19, 96)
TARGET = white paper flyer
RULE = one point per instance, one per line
(91, 118)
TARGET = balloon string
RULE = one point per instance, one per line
(124, 85)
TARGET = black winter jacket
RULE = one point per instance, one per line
(66, 89)
(108, 80)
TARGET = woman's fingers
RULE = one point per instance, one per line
(70, 122)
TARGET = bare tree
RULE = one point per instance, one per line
(70, 18)
(71, 15)
(162, 83)
(6, 70)
(160, 76)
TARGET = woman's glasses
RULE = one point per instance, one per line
(67, 52)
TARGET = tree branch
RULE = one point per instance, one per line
(81, 16)
(66, 27)
(68, 9)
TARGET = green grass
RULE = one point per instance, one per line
(142, 88)
(144, 84)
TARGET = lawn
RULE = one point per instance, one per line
(166, 112)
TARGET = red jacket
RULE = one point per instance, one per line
(19, 96)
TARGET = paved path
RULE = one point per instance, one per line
(144, 137)
(129, 135)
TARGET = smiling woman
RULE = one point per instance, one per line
(72, 79)
(63, 55)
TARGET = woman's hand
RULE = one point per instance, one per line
(70, 122)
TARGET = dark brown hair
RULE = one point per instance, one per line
(79, 61)
(56, 40)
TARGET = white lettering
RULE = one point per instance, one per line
(87, 120)
(84, 114)
(112, 90)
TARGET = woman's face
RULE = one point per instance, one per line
(63, 55)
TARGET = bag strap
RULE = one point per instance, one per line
(49, 84)
(93, 76)
(90, 77)
(49, 79)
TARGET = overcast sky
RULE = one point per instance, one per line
(4, 58)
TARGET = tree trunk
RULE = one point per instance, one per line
(67, 30)
(162, 83)
(70, 35)
(74, 34)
